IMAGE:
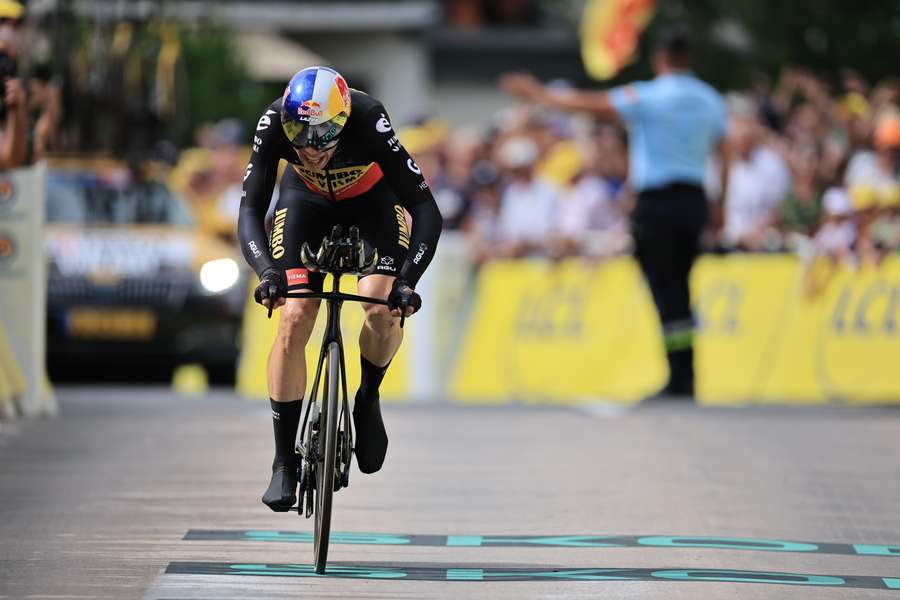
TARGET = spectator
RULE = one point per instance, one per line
(873, 180)
(527, 205)
(45, 108)
(13, 109)
(837, 235)
(590, 218)
(482, 227)
(758, 181)
(800, 212)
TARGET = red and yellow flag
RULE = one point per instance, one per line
(610, 30)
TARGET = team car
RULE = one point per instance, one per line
(131, 279)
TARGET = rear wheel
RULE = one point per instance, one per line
(327, 452)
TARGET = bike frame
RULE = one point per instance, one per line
(334, 301)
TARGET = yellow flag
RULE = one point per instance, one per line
(610, 30)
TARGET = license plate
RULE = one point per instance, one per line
(111, 324)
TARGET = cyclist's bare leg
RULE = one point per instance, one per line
(378, 342)
(287, 359)
(287, 382)
(381, 335)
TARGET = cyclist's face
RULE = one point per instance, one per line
(315, 159)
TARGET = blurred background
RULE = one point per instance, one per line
(140, 115)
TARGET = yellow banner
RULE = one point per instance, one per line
(577, 332)
(259, 333)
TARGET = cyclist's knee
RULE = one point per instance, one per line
(297, 319)
(378, 316)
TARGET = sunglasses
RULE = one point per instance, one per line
(321, 137)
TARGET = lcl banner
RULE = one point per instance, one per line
(23, 286)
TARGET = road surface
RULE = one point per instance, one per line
(140, 493)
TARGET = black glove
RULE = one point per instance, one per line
(402, 296)
(272, 286)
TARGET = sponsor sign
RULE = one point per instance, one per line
(761, 336)
(297, 276)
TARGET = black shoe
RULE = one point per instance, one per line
(371, 438)
(282, 490)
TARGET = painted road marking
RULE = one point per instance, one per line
(468, 574)
(554, 541)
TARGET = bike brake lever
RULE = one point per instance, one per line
(403, 306)
(272, 291)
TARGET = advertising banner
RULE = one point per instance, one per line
(23, 285)
(580, 332)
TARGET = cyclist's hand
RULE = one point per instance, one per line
(272, 289)
(403, 301)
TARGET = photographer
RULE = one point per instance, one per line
(13, 110)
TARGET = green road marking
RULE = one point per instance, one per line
(727, 543)
(749, 577)
(554, 541)
(414, 572)
(876, 550)
(465, 574)
(464, 540)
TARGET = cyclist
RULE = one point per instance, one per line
(346, 166)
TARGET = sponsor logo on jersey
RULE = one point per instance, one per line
(423, 248)
(403, 230)
(413, 167)
(254, 249)
(387, 263)
(347, 182)
(249, 169)
(297, 276)
(265, 120)
(383, 125)
(257, 142)
(278, 233)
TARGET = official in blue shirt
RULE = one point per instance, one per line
(675, 122)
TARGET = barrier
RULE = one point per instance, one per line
(12, 381)
(23, 287)
(575, 332)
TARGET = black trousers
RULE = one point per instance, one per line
(666, 226)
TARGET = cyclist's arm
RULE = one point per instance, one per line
(405, 178)
(259, 182)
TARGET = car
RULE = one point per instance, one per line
(131, 279)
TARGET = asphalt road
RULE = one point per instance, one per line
(137, 493)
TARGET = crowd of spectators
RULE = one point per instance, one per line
(813, 167)
(30, 106)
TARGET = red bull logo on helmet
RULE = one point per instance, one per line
(310, 108)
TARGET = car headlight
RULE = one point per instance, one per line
(219, 275)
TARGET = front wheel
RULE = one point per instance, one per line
(328, 425)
